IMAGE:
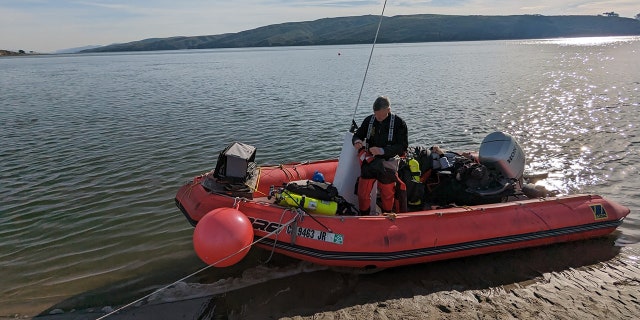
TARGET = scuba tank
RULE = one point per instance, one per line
(312, 205)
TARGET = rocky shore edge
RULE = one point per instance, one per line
(4, 53)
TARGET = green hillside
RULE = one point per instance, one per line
(397, 29)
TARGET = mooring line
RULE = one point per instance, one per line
(198, 271)
(275, 241)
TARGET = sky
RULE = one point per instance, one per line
(51, 25)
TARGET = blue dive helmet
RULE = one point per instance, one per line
(318, 176)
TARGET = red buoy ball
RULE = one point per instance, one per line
(220, 236)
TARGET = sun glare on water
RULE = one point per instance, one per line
(589, 41)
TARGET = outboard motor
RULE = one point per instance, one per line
(500, 151)
(498, 175)
(503, 157)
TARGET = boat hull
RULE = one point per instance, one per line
(408, 238)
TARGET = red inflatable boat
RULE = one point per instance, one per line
(395, 239)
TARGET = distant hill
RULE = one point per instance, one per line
(75, 50)
(396, 29)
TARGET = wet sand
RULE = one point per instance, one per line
(582, 280)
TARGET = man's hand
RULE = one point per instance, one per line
(376, 151)
(358, 145)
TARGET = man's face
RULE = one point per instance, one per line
(382, 114)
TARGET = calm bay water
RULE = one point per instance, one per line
(94, 147)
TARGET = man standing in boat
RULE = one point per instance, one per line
(380, 140)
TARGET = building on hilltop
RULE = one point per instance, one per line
(611, 14)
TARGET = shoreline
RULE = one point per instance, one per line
(4, 53)
(8, 53)
(586, 279)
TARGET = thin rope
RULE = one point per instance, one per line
(201, 270)
(369, 62)
(275, 241)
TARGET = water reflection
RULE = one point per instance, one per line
(585, 41)
(571, 120)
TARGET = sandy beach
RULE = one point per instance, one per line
(581, 280)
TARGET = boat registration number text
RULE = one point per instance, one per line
(316, 235)
(269, 226)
